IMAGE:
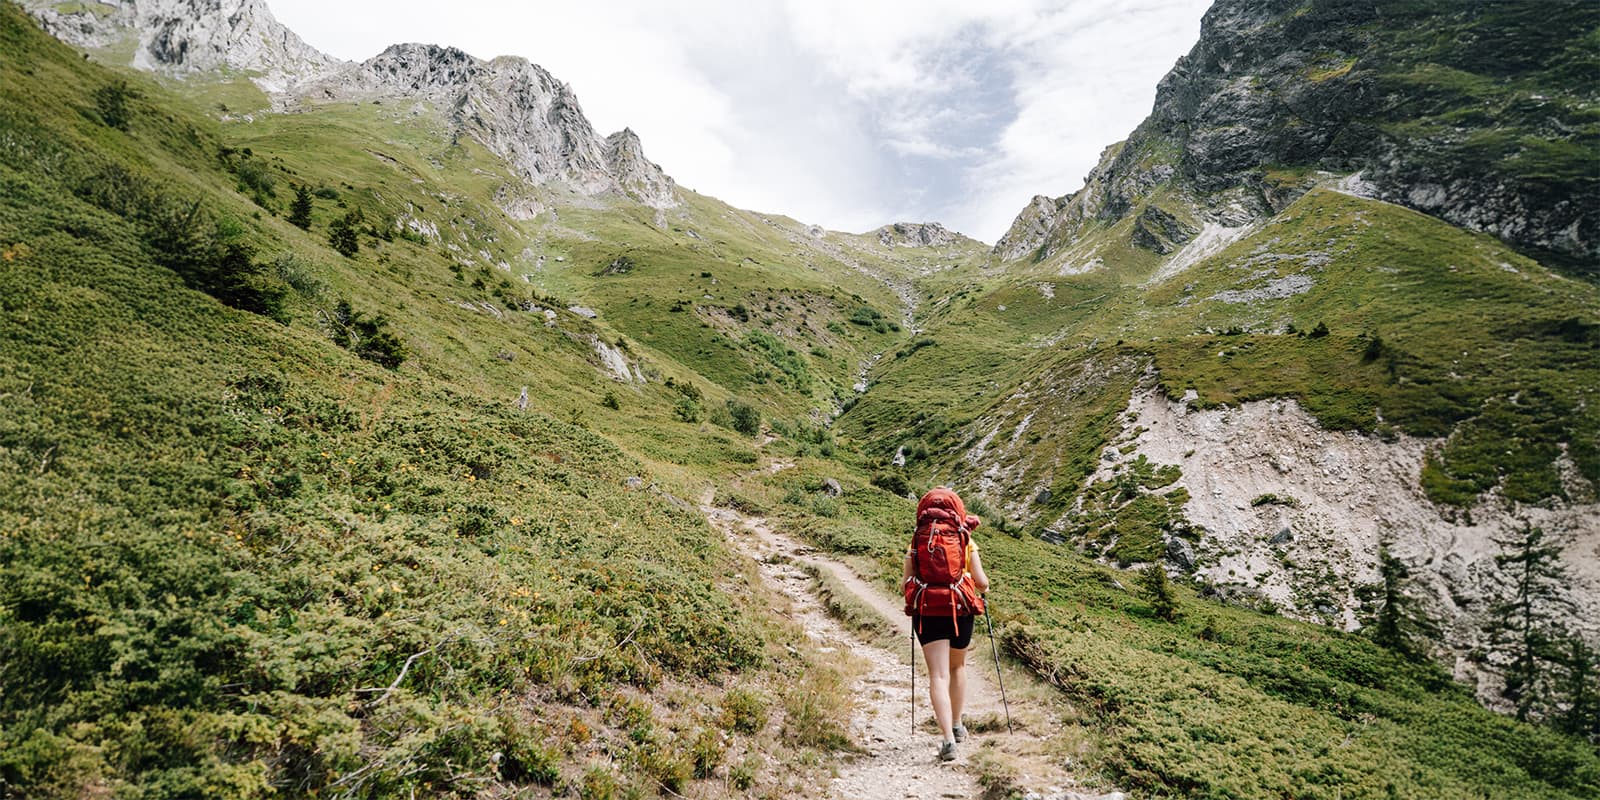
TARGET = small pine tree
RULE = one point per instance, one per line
(1525, 619)
(1158, 590)
(300, 209)
(1400, 623)
(1580, 690)
(1374, 349)
(1320, 331)
(342, 234)
(367, 337)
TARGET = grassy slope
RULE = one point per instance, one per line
(324, 515)
(1475, 339)
(222, 536)
(1225, 702)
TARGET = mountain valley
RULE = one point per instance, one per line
(358, 418)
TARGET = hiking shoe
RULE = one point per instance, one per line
(947, 752)
(960, 732)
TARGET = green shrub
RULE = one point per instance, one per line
(743, 711)
(743, 417)
(687, 410)
(367, 336)
(342, 234)
(111, 103)
(1270, 499)
(866, 316)
(182, 236)
(891, 481)
(664, 766)
(706, 752)
(742, 776)
(599, 783)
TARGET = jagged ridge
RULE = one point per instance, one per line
(189, 36)
(1275, 89)
(513, 107)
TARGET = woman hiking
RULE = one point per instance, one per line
(944, 587)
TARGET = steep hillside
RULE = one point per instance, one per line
(1479, 113)
(1227, 354)
(352, 413)
(281, 518)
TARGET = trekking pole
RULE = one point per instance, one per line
(993, 648)
(913, 676)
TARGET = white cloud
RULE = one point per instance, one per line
(851, 113)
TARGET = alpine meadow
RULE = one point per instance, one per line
(381, 429)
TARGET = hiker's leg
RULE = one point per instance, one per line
(937, 654)
(958, 684)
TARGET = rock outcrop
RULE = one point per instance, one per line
(1296, 514)
(1487, 133)
(514, 108)
(917, 234)
(1031, 228)
(180, 37)
(638, 176)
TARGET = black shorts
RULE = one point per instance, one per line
(935, 628)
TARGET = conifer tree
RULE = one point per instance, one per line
(1580, 690)
(300, 209)
(342, 234)
(1400, 623)
(1158, 590)
(1524, 622)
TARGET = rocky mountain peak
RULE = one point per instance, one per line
(637, 175)
(1030, 229)
(1408, 98)
(412, 69)
(513, 107)
(189, 36)
(916, 234)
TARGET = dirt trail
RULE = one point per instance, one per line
(898, 762)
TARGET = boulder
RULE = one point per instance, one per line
(1180, 553)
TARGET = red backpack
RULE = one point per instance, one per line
(939, 583)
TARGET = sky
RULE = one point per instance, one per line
(850, 114)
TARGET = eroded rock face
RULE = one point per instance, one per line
(916, 234)
(514, 108)
(188, 36)
(1295, 513)
(1352, 88)
(517, 110)
(1030, 229)
(637, 175)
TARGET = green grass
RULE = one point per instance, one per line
(1225, 702)
(223, 536)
